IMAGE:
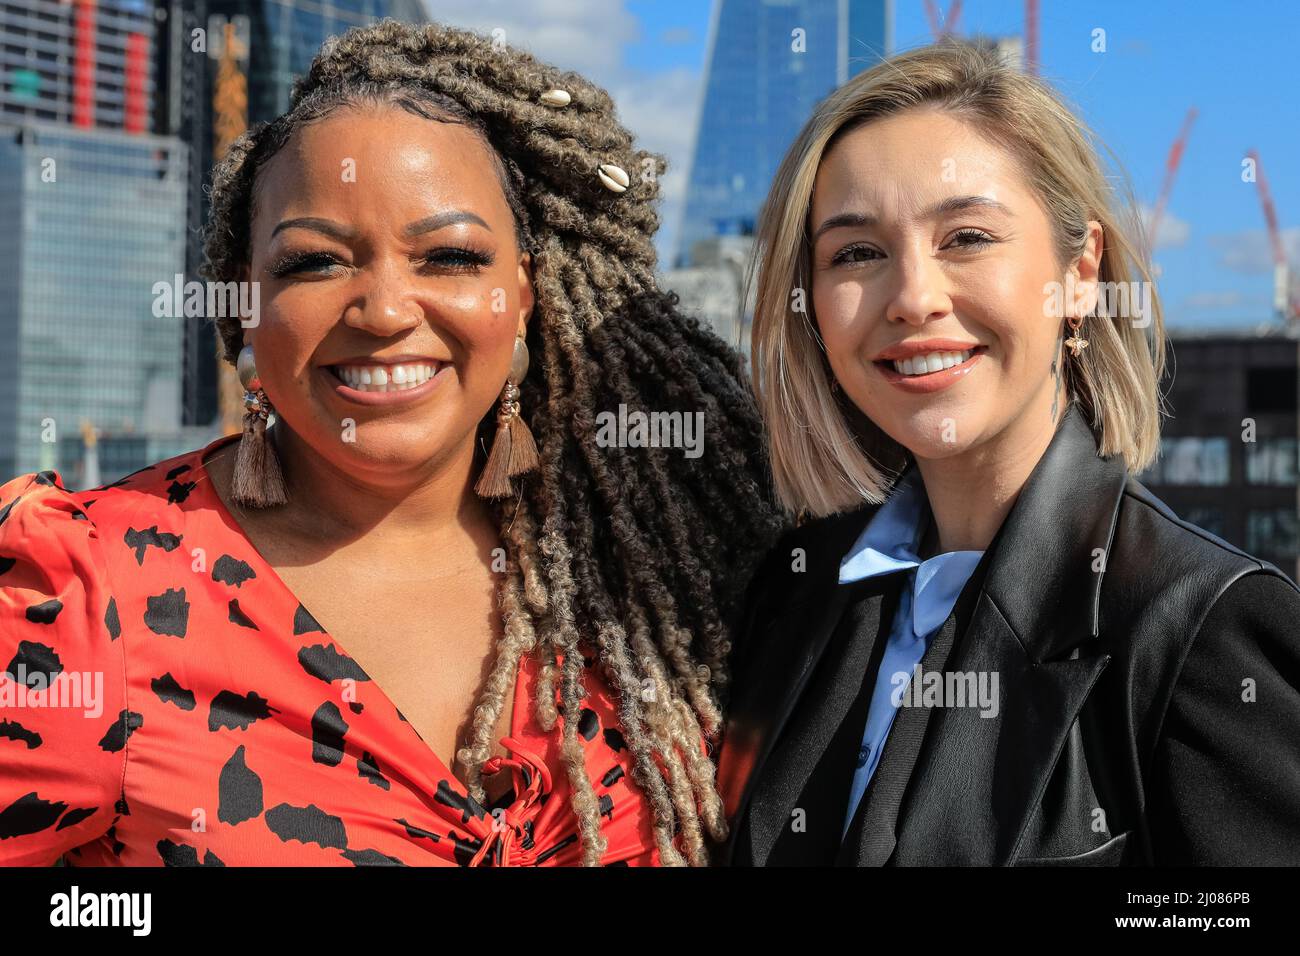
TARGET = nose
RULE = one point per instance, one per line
(387, 305)
(921, 289)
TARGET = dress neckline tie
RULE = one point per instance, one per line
(510, 832)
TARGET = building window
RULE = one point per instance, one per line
(1273, 531)
(1190, 461)
(1271, 389)
(1273, 461)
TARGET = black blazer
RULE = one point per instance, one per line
(1149, 711)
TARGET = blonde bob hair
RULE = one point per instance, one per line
(826, 456)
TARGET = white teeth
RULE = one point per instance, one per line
(385, 378)
(930, 362)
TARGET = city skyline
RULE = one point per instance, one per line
(1213, 251)
(105, 163)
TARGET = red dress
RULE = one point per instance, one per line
(166, 700)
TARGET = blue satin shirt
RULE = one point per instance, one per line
(889, 545)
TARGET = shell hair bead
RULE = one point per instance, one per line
(556, 98)
(614, 178)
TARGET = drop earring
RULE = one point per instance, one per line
(1076, 343)
(257, 481)
(514, 451)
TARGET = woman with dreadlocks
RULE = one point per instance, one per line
(419, 613)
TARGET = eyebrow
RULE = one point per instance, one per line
(950, 205)
(336, 231)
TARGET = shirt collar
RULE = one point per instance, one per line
(890, 542)
(890, 539)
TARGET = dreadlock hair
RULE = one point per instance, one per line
(642, 553)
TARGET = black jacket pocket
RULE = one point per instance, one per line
(1110, 853)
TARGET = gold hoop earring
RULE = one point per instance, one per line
(514, 451)
(257, 481)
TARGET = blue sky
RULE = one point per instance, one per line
(1235, 62)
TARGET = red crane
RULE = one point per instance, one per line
(949, 27)
(1031, 37)
(949, 24)
(1171, 172)
(1285, 302)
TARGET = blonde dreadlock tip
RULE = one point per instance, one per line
(614, 178)
(556, 98)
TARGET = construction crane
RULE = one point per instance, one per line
(1286, 299)
(230, 119)
(1031, 37)
(1171, 173)
(949, 25)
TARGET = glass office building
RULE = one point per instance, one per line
(86, 63)
(287, 34)
(1229, 455)
(93, 219)
(769, 63)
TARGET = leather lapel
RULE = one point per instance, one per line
(979, 776)
(827, 699)
(788, 646)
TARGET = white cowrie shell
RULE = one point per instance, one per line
(614, 178)
(557, 98)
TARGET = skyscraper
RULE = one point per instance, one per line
(286, 34)
(769, 63)
(86, 63)
(93, 218)
(93, 209)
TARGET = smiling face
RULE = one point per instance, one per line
(391, 289)
(930, 247)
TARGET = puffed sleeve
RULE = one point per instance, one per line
(63, 716)
(1227, 773)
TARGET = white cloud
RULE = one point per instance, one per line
(583, 35)
(662, 112)
(1225, 299)
(1251, 252)
(1174, 232)
(660, 108)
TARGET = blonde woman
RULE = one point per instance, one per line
(990, 644)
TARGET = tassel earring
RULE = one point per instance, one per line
(257, 480)
(514, 451)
